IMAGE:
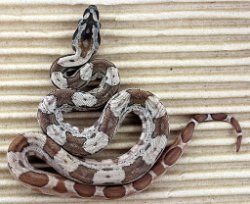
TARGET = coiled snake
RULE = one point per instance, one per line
(64, 147)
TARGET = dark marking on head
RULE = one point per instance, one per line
(92, 27)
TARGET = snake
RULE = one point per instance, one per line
(65, 148)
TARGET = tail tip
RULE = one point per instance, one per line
(238, 143)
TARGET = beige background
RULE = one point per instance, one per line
(194, 56)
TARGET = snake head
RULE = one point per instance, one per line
(87, 35)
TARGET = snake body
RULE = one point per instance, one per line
(64, 147)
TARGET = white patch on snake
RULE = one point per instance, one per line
(119, 103)
(88, 132)
(130, 189)
(112, 175)
(99, 191)
(83, 99)
(96, 143)
(94, 15)
(209, 117)
(48, 104)
(157, 144)
(86, 71)
(52, 182)
(124, 157)
(70, 186)
(155, 107)
(153, 174)
(107, 162)
(135, 148)
(37, 139)
(67, 162)
(59, 80)
(76, 58)
(112, 76)
(57, 133)
(86, 15)
(14, 159)
(85, 43)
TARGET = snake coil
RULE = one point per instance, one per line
(64, 147)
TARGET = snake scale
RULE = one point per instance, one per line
(64, 147)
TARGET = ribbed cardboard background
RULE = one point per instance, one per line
(194, 55)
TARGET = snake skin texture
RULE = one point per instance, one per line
(64, 147)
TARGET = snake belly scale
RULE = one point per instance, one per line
(64, 147)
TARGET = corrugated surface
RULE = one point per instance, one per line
(194, 55)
